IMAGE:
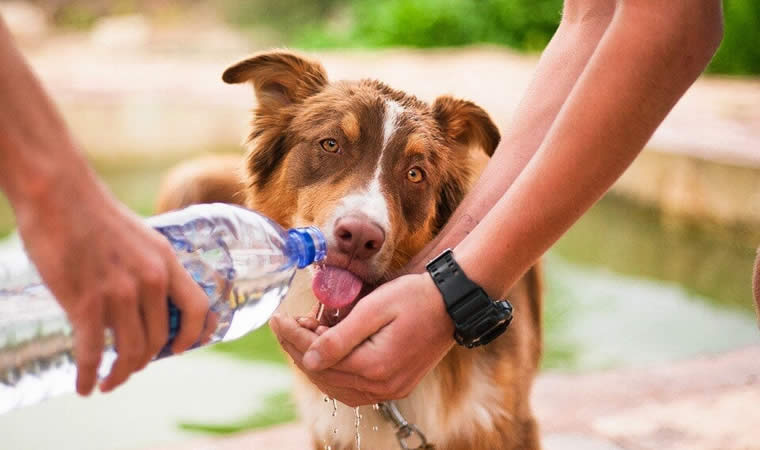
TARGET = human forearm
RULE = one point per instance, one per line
(35, 146)
(648, 57)
(105, 267)
(561, 63)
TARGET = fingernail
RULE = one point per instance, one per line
(302, 320)
(312, 360)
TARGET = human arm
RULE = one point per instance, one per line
(106, 268)
(648, 55)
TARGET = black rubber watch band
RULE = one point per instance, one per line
(477, 318)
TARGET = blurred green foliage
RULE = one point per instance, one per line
(288, 16)
(522, 24)
(277, 408)
(739, 53)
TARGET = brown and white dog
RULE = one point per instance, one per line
(380, 172)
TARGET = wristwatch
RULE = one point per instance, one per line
(477, 318)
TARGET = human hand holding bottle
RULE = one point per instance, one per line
(106, 268)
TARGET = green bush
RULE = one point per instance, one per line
(286, 15)
(739, 53)
(521, 24)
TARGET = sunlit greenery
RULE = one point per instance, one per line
(739, 52)
(277, 408)
(521, 24)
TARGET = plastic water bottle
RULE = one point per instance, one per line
(243, 261)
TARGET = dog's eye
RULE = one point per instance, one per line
(329, 145)
(415, 175)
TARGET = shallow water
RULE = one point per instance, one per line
(626, 288)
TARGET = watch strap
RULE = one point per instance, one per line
(478, 319)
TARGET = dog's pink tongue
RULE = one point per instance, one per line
(336, 288)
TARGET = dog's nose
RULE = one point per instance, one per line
(358, 237)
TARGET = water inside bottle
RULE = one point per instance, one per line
(244, 287)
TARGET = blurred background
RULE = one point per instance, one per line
(656, 273)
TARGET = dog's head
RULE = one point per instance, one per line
(379, 171)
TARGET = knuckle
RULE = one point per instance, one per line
(164, 248)
(330, 344)
(155, 276)
(126, 292)
(197, 310)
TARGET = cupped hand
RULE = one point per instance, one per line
(391, 339)
(109, 271)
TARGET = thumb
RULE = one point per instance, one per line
(367, 317)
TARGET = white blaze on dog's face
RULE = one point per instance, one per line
(377, 170)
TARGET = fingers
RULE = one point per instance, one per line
(288, 330)
(212, 322)
(296, 340)
(154, 310)
(88, 348)
(191, 301)
(129, 335)
(337, 342)
(336, 384)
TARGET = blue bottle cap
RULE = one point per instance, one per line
(309, 245)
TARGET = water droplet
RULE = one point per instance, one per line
(321, 310)
(335, 431)
(376, 407)
(374, 428)
(335, 407)
(325, 399)
(356, 423)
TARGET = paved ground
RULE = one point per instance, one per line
(702, 404)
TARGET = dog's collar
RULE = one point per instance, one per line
(404, 429)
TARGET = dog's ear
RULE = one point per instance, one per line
(466, 123)
(279, 78)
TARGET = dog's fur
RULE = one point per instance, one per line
(473, 399)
